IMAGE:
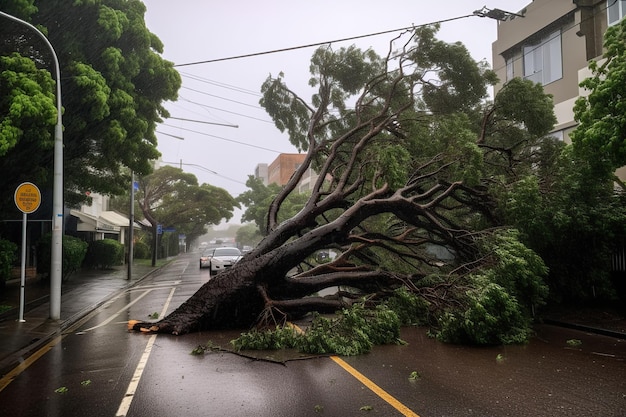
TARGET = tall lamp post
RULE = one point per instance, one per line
(57, 189)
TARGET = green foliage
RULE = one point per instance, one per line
(600, 136)
(414, 376)
(8, 255)
(569, 215)
(258, 198)
(72, 258)
(29, 104)
(114, 81)
(518, 269)
(497, 304)
(141, 250)
(173, 198)
(574, 342)
(491, 317)
(74, 252)
(105, 253)
(248, 234)
(409, 307)
(352, 331)
(279, 338)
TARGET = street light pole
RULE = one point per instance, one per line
(57, 188)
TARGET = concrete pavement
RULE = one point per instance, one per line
(82, 292)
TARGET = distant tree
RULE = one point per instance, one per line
(258, 199)
(410, 160)
(173, 198)
(248, 235)
(114, 82)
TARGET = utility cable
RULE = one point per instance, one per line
(293, 48)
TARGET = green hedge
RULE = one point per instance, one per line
(103, 254)
(8, 255)
(74, 252)
(141, 250)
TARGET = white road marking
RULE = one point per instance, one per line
(112, 317)
(134, 382)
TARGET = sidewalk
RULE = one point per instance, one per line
(81, 293)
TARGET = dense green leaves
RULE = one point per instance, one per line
(173, 198)
(113, 84)
(28, 103)
(600, 136)
(352, 331)
(258, 199)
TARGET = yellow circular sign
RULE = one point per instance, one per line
(27, 197)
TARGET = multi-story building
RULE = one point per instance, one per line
(552, 45)
(283, 167)
(261, 171)
(281, 170)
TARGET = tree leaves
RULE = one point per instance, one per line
(600, 136)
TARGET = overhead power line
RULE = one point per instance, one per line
(274, 51)
(202, 121)
(222, 138)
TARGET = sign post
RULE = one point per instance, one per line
(27, 199)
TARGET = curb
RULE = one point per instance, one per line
(589, 329)
(19, 357)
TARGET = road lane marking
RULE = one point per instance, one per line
(375, 388)
(407, 412)
(122, 411)
(112, 317)
(15, 372)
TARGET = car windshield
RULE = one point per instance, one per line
(226, 252)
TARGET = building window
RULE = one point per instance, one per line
(559, 135)
(543, 62)
(616, 9)
(509, 69)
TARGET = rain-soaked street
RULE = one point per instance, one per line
(98, 368)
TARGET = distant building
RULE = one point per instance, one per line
(261, 171)
(97, 222)
(283, 167)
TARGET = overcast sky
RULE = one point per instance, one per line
(227, 92)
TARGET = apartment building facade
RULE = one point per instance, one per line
(283, 167)
(552, 45)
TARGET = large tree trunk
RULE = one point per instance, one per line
(228, 300)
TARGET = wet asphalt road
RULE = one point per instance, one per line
(98, 368)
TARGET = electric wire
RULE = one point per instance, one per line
(293, 48)
(224, 139)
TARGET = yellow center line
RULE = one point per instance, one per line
(407, 412)
(374, 388)
(15, 372)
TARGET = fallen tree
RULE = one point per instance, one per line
(411, 161)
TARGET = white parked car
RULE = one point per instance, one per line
(218, 259)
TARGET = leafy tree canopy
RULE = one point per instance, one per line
(600, 136)
(173, 198)
(114, 82)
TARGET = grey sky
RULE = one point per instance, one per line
(227, 92)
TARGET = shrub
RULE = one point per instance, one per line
(74, 251)
(141, 250)
(8, 255)
(103, 254)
